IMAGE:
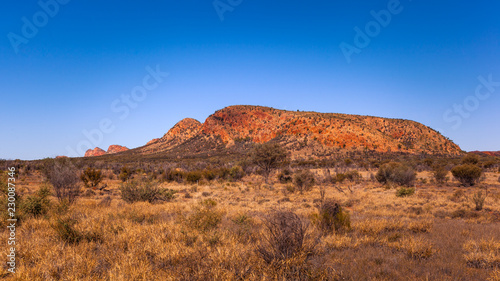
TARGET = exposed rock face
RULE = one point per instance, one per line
(61, 157)
(305, 133)
(115, 149)
(179, 133)
(152, 141)
(487, 153)
(94, 152)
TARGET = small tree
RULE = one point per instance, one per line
(440, 174)
(304, 180)
(470, 159)
(268, 156)
(64, 179)
(91, 177)
(236, 173)
(467, 174)
(125, 174)
(397, 173)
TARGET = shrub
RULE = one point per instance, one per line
(209, 174)
(146, 192)
(353, 175)
(338, 178)
(332, 217)
(66, 231)
(284, 238)
(478, 198)
(91, 177)
(236, 173)
(403, 191)
(64, 179)
(37, 204)
(440, 174)
(285, 176)
(467, 174)
(470, 159)
(268, 156)
(175, 175)
(193, 176)
(304, 180)
(125, 174)
(205, 216)
(397, 173)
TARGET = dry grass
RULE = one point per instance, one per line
(215, 233)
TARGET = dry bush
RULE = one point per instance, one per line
(236, 173)
(304, 180)
(405, 191)
(284, 236)
(478, 199)
(332, 217)
(440, 174)
(91, 177)
(206, 216)
(268, 156)
(416, 247)
(285, 176)
(37, 204)
(125, 174)
(193, 176)
(482, 254)
(148, 191)
(64, 179)
(467, 174)
(397, 173)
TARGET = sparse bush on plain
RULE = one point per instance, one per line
(175, 175)
(405, 191)
(64, 179)
(332, 217)
(205, 216)
(467, 174)
(145, 191)
(284, 237)
(304, 180)
(396, 173)
(37, 204)
(478, 199)
(125, 174)
(236, 173)
(470, 158)
(440, 174)
(91, 177)
(193, 176)
(285, 176)
(268, 156)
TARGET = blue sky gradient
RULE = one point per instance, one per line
(423, 65)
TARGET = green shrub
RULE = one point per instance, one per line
(440, 174)
(205, 216)
(193, 176)
(304, 180)
(65, 229)
(91, 177)
(209, 174)
(37, 204)
(332, 217)
(175, 175)
(478, 198)
(236, 173)
(338, 178)
(285, 176)
(404, 191)
(470, 158)
(397, 173)
(125, 174)
(146, 192)
(467, 174)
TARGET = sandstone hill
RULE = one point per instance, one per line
(112, 149)
(310, 135)
(305, 134)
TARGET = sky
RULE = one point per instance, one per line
(79, 74)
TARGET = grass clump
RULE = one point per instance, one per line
(405, 191)
(37, 204)
(332, 217)
(205, 216)
(145, 191)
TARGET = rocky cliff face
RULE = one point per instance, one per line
(94, 152)
(306, 133)
(115, 149)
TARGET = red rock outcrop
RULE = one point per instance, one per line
(94, 152)
(115, 149)
(152, 141)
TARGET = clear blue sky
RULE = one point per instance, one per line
(66, 76)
